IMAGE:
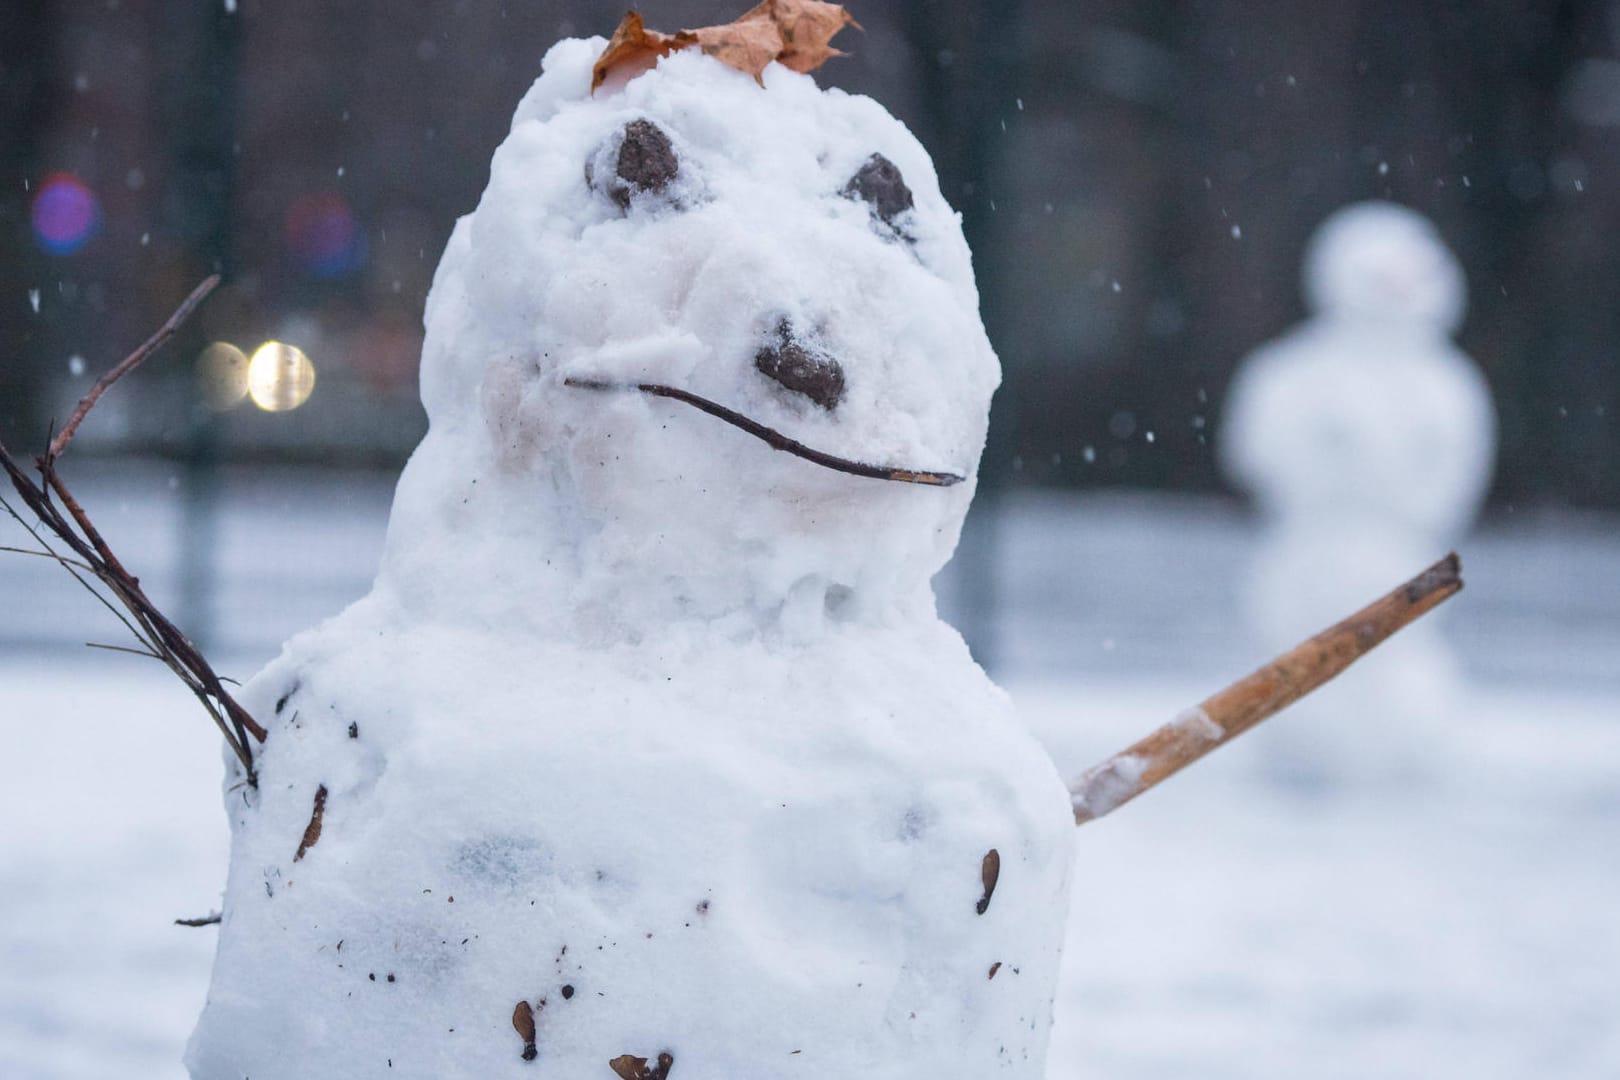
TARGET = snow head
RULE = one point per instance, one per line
(1378, 263)
(780, 250)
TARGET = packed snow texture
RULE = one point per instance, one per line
(1367, 440)
(646, 726)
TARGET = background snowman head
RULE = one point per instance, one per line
(778, 249)
(1381, 263)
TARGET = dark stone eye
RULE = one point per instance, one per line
(819, 378)
(880, 184)
(646, 162)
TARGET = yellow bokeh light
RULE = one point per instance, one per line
(280, 377)
(222, 375)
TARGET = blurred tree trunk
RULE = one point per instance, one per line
(1271, 108)
(1544, 319)
(968, 67)
(198, 96)
(27, 56)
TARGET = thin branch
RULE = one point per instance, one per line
(148, 653)
(75, 568)
(1228, 714)
(130, 363)
(53, 482)
(51, 555)
(776, 439)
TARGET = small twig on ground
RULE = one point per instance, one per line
(1228, 714)
(158, 636)
(211, 919)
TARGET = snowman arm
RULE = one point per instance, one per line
(775, 438)
(134, 360)
(61, 514)
(1231, 712)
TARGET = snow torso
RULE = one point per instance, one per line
(647, 729)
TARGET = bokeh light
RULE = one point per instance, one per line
(65, 213)
(322, 235)
(280, 377)
(222, 375)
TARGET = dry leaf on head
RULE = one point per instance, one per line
(747, 43)
(632, 50)
(807, 28)
(797, 33)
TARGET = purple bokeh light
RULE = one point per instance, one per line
(65, 214)
(323, 236)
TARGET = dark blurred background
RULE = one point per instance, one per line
(1137, 181)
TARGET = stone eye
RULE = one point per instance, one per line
(880, 184)
(818, 377)
(645, 162)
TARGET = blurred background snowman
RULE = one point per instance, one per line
(1366, 439)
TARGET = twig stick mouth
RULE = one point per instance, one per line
(1224, 716)
(775, 439)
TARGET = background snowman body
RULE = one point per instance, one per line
(645, 727)
(1367, 440)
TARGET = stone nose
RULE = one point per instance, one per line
(803, 369)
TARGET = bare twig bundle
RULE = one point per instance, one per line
(1245, 703)
(59, 512)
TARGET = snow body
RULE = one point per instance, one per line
(1367, 440)
(644, 723)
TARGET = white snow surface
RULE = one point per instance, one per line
(1220, 928)
(1367, 440)
(645, 724)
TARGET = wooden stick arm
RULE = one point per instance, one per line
(1226, 715)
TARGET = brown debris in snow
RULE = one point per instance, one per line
(630, 1067)
(312, 831)
(989, 873)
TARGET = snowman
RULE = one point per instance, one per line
(1366, 439)
(647, 754)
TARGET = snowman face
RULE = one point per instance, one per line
(779, 252)
(1383, 264)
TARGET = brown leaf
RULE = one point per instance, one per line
(747, 44)
(523, 1023)
(989, 874)
(312, 831)
(630, 1067)
(795, 32)
(807, 28)
(632, 50)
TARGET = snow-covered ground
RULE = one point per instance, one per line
(1222, 926)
